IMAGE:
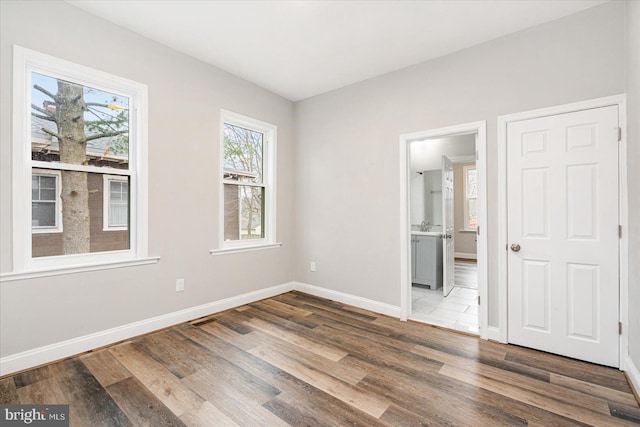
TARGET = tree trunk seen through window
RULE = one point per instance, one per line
(67, 109)
(73, 148)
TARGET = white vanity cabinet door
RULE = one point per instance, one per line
(426, 259)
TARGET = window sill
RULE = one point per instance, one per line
(71, 269)
(46, 230)
(225, 251)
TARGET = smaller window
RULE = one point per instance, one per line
(116, 202)
(45, 201)
(248, 181)
(470, 198)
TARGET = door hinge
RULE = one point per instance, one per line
(619, 134)
(477, 155)
(619, 328)
(619, 232)
(478, 230)
(478, 299)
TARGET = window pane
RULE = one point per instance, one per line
(243, 212)
(118, 204)
(243, 154)
(472, 213)
(105, 123)
(48, 182)
(472, 186)
(43, 214)
(116, 189)
(118, 215)
(43, 201)
(48, 194)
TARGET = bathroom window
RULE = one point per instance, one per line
(470, 198)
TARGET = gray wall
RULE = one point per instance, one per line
(347, 206)
(346, 175)
(633, 171)
(185, 97)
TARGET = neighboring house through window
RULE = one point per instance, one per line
(80, 152)
(115, 203)
(45, 202)
(248, 181)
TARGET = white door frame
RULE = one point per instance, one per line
(480, 129)
(503, 121)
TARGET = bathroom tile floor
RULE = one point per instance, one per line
(458, 311)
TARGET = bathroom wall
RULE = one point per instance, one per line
(416, 201)
(433, 198)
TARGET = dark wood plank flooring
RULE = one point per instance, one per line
(298, 360)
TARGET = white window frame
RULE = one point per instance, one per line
(465, 170)
(26, 62)
(58, 227)
(106, 202)
(269, 132)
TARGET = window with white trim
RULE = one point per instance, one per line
(248, 181)
(45, 202)
(74, 127)
(115, 203)
(470, 197)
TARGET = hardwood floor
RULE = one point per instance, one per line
(304, 361)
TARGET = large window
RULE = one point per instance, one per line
(470, 198)
(79, 134)
(247, 181)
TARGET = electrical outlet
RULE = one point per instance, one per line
(179, 285)
(312, 267)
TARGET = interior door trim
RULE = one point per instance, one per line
(501, 331)
(480, 129)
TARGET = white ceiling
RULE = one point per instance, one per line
(298, 49)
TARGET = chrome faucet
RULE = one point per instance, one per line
(425, 226)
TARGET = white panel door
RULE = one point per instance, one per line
(448, 246)
(563, 234)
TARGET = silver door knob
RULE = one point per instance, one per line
(449, 236)
(515, 247)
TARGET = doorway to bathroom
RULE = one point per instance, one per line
(444, 277)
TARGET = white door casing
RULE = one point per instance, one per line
(562, 210)
(448, 243)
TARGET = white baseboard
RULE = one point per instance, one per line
(367, 304)
(634, 374)
(465, 255)
(49, 353)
